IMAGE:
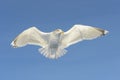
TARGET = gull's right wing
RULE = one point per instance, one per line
(31, 36)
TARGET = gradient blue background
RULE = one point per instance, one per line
(97, 59)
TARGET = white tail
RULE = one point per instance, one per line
(52, 53)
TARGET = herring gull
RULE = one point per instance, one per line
(53, 44)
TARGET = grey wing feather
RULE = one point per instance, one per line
(81, 32)
(31, 36)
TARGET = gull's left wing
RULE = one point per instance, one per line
(81, 32)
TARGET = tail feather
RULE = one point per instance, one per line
(52, 53)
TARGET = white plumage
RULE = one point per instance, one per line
(54, 43)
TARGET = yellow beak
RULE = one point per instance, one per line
(62, 32)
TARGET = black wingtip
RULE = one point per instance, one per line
(104, 32)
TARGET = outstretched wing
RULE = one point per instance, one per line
(31, 36)
(81, 32)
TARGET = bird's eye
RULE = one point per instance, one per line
(58, 30)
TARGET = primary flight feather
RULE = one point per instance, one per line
(54, 43)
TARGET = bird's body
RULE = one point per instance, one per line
(54, 48)
(54, 43)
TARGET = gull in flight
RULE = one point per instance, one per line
(53, 44)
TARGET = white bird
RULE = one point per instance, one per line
(54, 43)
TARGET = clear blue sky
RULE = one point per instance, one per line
(97, 59)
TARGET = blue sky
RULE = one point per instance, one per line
(97, 59)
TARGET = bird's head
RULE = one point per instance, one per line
(58, 32)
